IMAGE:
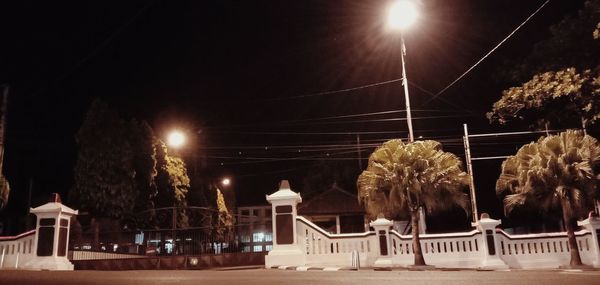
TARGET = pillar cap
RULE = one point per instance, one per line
(53, 207)
(284, 193)
(381, 222)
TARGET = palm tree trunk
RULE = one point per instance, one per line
(414, 219)
(573, 248)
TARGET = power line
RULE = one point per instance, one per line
(486, 55)
(281, 124)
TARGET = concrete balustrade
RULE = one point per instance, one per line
(302, 243)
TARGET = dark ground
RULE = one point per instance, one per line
(262, 276)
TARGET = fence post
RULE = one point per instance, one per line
(51, 241)
(286, 250)
(490, 243)
(382, 230)
(592, 224)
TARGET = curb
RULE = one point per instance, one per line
(313, 268)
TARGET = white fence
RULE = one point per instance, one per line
(299, 242)
(460, 250)
(16, 250)
(322, 248)
(548, 250)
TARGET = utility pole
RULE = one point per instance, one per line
(4, 185)
(470, 172)
(358, 152)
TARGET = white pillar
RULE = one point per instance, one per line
(382, 230)
(490, 243)
(51, 242)
(592, 224)
(286, 250)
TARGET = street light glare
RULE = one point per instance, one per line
(176, 139)
(226, 181)
(402, 14)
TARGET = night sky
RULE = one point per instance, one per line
(250, 80)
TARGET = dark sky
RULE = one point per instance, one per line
(237, 71)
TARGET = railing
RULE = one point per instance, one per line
(192, 241)
(548, 250)
(324, 248)
(460, 250)
(16, 250)
(96, 255)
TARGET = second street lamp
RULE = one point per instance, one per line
(401, 15)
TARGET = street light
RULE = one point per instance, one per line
(401, 15)
(226, 181)
(176, 139)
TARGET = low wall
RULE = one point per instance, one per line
(547, 250)
(323, 248)
(173, 262)
(15, 251)
(299, 242)
(455, 250)
(495, 249)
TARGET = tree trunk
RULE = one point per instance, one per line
(414, 219)
(573, 248)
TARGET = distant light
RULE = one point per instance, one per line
(226, 181)
(176, 139)
(402, 14)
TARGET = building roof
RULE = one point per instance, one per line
(334, 201)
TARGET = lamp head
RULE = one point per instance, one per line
(176, 139)
(402, 14)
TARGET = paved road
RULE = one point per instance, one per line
(274, 276)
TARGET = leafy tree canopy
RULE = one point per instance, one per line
(558, 168)
(104, 172)
(400, 178)
(172, 182)
(560, 98)
(561, 75)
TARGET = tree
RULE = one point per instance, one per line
(224, 225)
(143, 141)
(561, 75)
(564, 97)
(104, 172)
(172, 183)
(400, 178)
(556, 172)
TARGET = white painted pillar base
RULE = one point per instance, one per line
(382, 228)
(489, 261)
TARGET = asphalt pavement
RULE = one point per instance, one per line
(292, 277)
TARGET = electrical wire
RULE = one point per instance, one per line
(486, 55)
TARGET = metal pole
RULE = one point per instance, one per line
(470, 171)
(411, 137)
(358, 152)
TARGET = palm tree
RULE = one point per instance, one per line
(556, 172)
(401, 178)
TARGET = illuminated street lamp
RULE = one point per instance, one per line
(176, 139)
(226, 182)
(401, 15)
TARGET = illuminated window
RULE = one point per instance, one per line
(269, 237)
(258, 248)
(258, 237)
(268, 247)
